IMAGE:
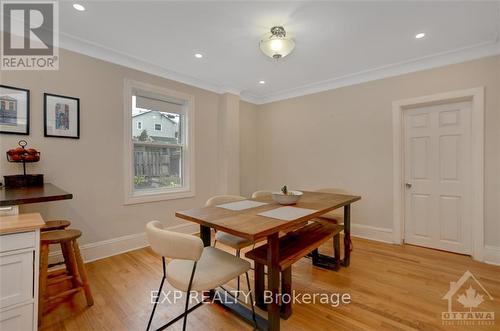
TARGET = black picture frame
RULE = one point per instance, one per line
(45, 117)
(28, 119)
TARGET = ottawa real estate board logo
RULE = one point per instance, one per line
(470, 294)
(30, 35)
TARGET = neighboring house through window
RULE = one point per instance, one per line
(159, 144)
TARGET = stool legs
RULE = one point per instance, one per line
(42, 287)
(71, 264)
(83, 274)
(74, 268)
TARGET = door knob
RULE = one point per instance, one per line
(408, 185)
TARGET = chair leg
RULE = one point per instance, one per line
(156, 303)
(251, 301)
(188, 296)
(159, 293)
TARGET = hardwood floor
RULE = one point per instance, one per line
(392, 288)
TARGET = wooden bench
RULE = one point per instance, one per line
(297, 244)
(292, 247)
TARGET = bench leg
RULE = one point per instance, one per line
(315, 256)
(259, 285)
(325, 261)
(286, 292)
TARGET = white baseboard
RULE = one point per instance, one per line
(492, 255)
(372, 233)
(106, 248)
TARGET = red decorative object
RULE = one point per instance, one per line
(24, 155)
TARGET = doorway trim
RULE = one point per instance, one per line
(476, 96)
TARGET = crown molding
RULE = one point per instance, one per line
(252, 98)
(418, 64)
(101, 52)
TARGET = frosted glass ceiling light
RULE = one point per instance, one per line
(276, 44)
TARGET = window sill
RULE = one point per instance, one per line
(154, 197)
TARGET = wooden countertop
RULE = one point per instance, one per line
(24, 195)
(20, 223)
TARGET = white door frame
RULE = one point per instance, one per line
(476, 96)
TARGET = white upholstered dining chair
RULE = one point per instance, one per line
(193, 267)
(226, 238)
(261, 194)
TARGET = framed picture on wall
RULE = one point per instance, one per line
(14, 110)
(61, 115)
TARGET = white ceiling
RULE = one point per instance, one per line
(337, 43)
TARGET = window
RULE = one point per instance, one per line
(159, 162)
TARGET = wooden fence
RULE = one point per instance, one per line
(147, 163)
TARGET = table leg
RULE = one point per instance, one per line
(259, 286)
(206, 235)
(347, 235)
(273, 282)
(286, 288)
(336, 250)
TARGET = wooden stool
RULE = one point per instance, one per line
(75, 270)
(55, 225)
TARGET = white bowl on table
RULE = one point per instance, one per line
(287, 199)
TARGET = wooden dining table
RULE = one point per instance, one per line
(247, 223)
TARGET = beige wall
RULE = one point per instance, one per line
(248, 148)
(343, 138)
(92, 167)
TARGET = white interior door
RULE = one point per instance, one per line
(437, 162)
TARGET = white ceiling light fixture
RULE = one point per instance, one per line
(78, 7)
(262, 82)
(198, 55)
(276, 45)
(420, 35)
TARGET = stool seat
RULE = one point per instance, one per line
(59, 236)
(55, 225)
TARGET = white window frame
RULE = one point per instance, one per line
(188, 162)
(161, 126)
(139, 125)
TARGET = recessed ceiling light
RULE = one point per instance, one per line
(78, 7)
(198, 55)
(262, 82)
(420, 35)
